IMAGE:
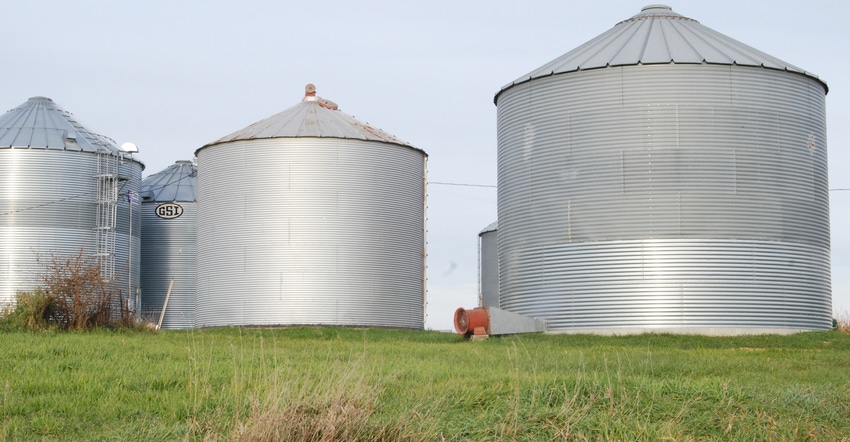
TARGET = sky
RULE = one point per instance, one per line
(171, 76)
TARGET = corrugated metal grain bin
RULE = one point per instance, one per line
(665, 176)
(169, 245)
(65, 190)
(311, 217)
(488, 270)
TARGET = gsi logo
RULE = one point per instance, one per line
(169, 210)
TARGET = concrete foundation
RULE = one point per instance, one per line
(503, 322)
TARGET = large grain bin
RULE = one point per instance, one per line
(311, 217)
(665, 176)
(488, 266)
(169, 245)
(65, 191)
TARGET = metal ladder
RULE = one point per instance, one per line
(107, 208)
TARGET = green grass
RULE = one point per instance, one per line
(330, 383)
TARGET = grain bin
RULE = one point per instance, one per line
(311, 217)
(665, 176)
(65, 191)
(169, 245)
(488, 267)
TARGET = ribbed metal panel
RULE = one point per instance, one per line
(658, 35)
(169, 250)
(177, 182)
(311, 231)
(313, 117)
(665, 196)
(488, 267)
(129, 220)
(48, 205)
(169, 246)
(42, 124)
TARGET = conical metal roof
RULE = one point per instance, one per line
(177, 182)
(42, 124)
(658, 35)
(313, 117)
(492, 227)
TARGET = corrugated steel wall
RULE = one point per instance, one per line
(489, 268)
(311, 231)
(47, 202)
(665, 196)
(169, 250)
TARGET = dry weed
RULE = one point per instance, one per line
(337, 408)
(843, 322)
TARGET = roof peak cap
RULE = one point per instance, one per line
(656, 11)
(312, 117)
(310, 92)
(310, 95)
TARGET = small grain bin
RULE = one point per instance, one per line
(169, 245)
(311, 217)
(488, 267)
(66, 190)
(665, 176)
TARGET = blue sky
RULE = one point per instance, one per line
(173, 76)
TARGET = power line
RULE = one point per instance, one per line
(38, 206)
(46, 204)
(461, 184)
(184, 177)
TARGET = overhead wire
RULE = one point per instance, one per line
(48, 203)
(461, 184)
(442, 183)
(37, 206)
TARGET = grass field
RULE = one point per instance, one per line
(329, 383)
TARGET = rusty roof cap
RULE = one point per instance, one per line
(313, 117)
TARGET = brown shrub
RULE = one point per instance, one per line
(79, 291)
(73, 296)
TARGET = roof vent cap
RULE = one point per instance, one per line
(129, 147)
(310, 92)
(648, 7)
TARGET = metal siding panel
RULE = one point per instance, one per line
(39, 123)
(658, 36)
(169, 250)
(127, 246)
(724, 165)
(489, 269)
(47, 200)
(310, 231)
(312, 118)
(177, 182)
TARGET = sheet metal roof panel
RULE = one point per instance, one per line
(659, 35)
(42, 124)
(177, 182)
(313, 117)
(490, 228)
